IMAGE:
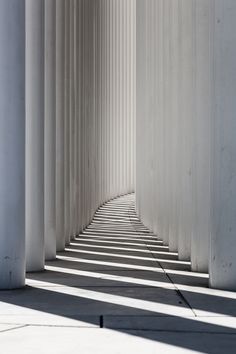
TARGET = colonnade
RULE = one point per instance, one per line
(67, 108)
(186, 146)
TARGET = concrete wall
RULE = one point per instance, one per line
(95, 109)
(104, 103)
(80, 58)
(78, 140)
(12, 144)
(186, 84)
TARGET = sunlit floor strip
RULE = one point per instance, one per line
(88, 239)
(114, 277)
(129, 302)
(145, 305)
(114, 255)
(144, 282)
(110, 264)
(125, 249)
(118, 265)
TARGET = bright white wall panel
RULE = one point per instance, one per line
(202, 91)
(50, 131)
(223, 147)
(186, 130)
(60, 123)
(34, 65)
(105, 102)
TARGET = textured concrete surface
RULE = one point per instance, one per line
(117, 297)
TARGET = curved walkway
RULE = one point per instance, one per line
(117, 289)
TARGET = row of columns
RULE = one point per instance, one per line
(66, 123)
(186, 82)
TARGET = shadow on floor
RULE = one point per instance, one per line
(126, 280)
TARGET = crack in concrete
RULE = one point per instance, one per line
(14, 328)
(182, 297)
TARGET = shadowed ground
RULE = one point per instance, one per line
(117, 289)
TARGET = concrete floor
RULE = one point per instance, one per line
(117, 289)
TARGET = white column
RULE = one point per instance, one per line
(67, 123)
(12, 144)
(34, 135)
(76, 82)
(166, 125)
(173, 97)
(50, 126)
(184, 126)
(71, 118)
(60, 54)
(73, 139)
(223, 177)
(201, 135)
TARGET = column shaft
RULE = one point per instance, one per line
(73, 132)
(185, 131)
(174, 173)
(67, 123)
(12, 143)
(50, 126)
(202, 57)
(60, 55)
(223, 176)
(34, 135)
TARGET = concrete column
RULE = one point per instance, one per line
(166, 115)
(72, 131)
(173, 124)
(60, 55)
(67, 123)
(100, 82)
(12, 144)
(223, 128)
(202, 63)
(73, 134)
(76, 82)
(34, 135)
(50, 126)
(185, 128)
(159, 124)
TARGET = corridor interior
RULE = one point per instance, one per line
(100, 99)
(119, 284)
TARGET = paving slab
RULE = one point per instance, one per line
(82, 278)
(47, 340)
(211, 302)
(117, 289)
(171, 323)
(69, 301)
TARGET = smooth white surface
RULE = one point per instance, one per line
(50, 130)
(34, 135)
(67, 124)
(73, 120)
(186, 78)
(185, 159)
(103, 105)
(202, 59)
(223, 153)
(105, 341)
(12, 144)
(95, 109)
(60, 123)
